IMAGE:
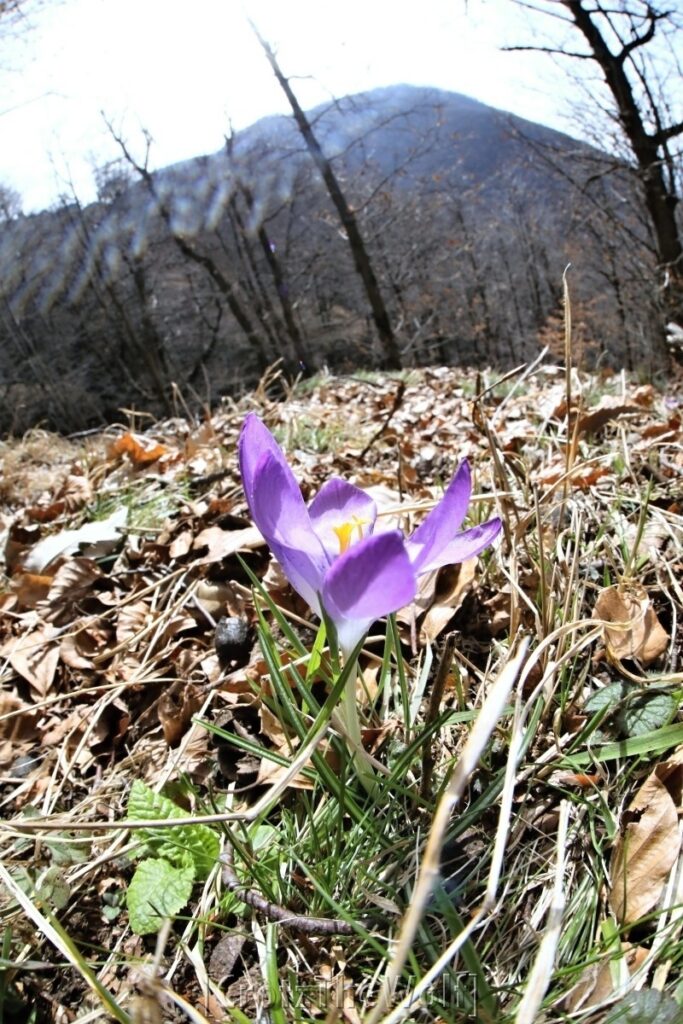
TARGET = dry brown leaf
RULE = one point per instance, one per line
(71, 583)
(608, 408)
(223, 543)
(46, 513)
(86, 638)
(650, 541)
(637, 632)
(440, 593)
(426, 588)
(582, 476)
(140, 450)
(125, 668)
(648, 844)
(366, 685)
(272, 727)
(106, 728)
(71, 655)
(243, 684)
(670, 772)
(179, 623)
(219, 599)
(17, 719)
(181, 544)
(270, 773)
(644, 395)
(132, 619)
(454, 582)
(71, 728)
(75, 492)
(30, 588)
(596, 982)
(657, 431)
(35, 657)
(175, 709)
(198, 753)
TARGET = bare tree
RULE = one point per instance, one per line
(189, 251)
(112, 180)
(361, 258)
(10, 203)
(627, 40)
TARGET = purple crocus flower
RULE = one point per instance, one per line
(329, 551)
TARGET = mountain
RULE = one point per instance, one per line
(201, 275)
(402, 133)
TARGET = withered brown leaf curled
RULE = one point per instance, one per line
(648, 844)
(608, 408)
(35, 657)
(632, 629)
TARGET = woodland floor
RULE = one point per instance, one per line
(561, 854)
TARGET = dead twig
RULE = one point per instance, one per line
(398, 399)
(275, 912)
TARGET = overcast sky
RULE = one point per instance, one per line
(184, 70)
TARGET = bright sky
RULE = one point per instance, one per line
(183, 70)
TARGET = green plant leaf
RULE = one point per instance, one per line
(316, 652)
(609, 696)
(66, 853)
(53, 888)
(647, 713)
(157, 890)
(649, 744)
(645, 1007)
(196, 843)
(638, 715)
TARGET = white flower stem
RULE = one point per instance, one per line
(348, 712)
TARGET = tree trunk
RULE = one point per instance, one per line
(348, 220)
(646, 147)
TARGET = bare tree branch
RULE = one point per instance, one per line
(346, 215)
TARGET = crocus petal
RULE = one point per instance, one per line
(425, 544)
(465, 545)
(280, 514)
(371, 579)
(337, 503)
(302, 570)
(255, 442)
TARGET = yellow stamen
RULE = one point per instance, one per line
(345, 532)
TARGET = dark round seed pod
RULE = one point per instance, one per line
(232, 639)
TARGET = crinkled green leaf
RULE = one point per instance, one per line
(647, 713)
(605, 700)
(53, 888)
(645, 1007)
(67, 853)
(157, 890)
(637, 716)
(198, 842)
(607, 697)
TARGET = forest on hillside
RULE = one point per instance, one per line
(395, 228)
